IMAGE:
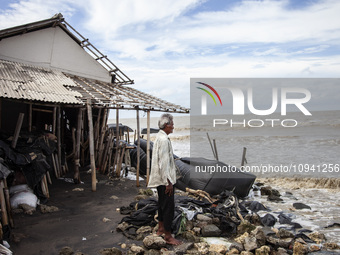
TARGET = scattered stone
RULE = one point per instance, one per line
(152, 252)
(106, 220)
(237, 246)
(283, 233)
(266, 191)
(48, 209)
(144, 229)
(210, 230)
(123, 246)
(300, 206)
(268, 220)
(274, 198)
(114, 197)
(241, 238)
(264, 250)
(281, 242)
(110, 251)
(246, 253)
(281, 251)
(250, 243)
(317, 237)
(154, 242)
(233, 251)
(165, 251)
(136, 250)
(219, 248)
(197, 230)
(300, 249)
(190, 237)
(199, 248)
(260, 236)
(122, 226)
(182, 248)
(331, 246)
(245, 226)
(66, 251)
(314, 248)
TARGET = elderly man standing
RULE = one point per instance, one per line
(163, 177)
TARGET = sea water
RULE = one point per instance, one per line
(314, 142)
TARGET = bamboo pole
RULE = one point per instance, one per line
(148, 149)
(8, 204)
(101, 141)
(97, 134)
(59, 138)
(211, 146)
(54, 120)
(3, 205)
(117, 144)
(76, 176)
(91, 144)
(17, 130)
(244, 160)
(138, 150)
(30, 117)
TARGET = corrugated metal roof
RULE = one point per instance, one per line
(23, 81)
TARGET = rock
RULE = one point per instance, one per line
(237, 246)
(147, 192)
(219, 248)
(246, 253)
(154, 242)
(281, 242)
(258, 233)
(123, 246)
(281, 251)
(136, 250)
(114, 197)
(152, 252)
(283, 233)
(268, 220)
(66, 251)
(141, 197)
(27, 208)
(210, 230)
(300, 249)
(274, 198)
(331, 246)
(233, 251)
(201, 217)
(106, 220)
(142, 232)
(314, 248)
(240, 239)
(317, 237)
(275, 192)
(182, 248)
(264, 250)
(250, 243)
(197, 230)
(200, 248)
(122, 227)
(300, 206)
(266, 191)
(165, 251)
(110, 251)
(245, 226)
(189, 225)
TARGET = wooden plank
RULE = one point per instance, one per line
(76, 176)
(59, 139)
(148, 149)
(138, 149)
(91, 144)
(17, 130)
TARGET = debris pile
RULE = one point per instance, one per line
(235, 226)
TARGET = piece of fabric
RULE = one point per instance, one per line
(166, 207)
(163, 164)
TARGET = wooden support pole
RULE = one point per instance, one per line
(213, 151)
(138, 150)
(0, 111)
(117, 144)
(30, 117)
(3, 205)
(148, 149)
(76, 176)
(8, 203)
(17, 130)
(91, 144)
(59, 139)
(244, 160)
(54, 120)
(101, 141)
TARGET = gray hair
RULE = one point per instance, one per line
(166, 118)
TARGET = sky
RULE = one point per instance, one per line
(161, 44)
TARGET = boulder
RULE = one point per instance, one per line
(154, 242)
(210, 230)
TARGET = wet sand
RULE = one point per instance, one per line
(79, 222)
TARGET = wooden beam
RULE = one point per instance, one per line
(138, 150)
(117, 144)
(148, 149)
(76, 176)
(17, 129)
(30, 117)
(91, 144)
(59, 139)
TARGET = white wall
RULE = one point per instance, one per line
(52, 48)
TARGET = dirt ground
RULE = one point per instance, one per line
(79, 222)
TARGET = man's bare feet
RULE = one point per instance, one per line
(161, 229)
(169, 239)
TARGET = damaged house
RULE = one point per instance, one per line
(56, 91)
